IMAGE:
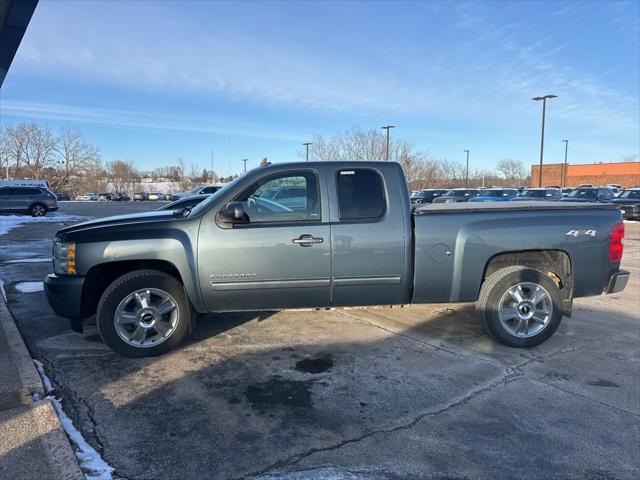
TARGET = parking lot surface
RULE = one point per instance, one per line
(389, 393)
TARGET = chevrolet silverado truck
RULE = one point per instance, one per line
(353, 240)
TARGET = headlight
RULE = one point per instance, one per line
(64, 258)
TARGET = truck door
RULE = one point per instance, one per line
(279, 258)
(370, 237)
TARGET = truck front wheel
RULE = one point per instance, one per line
(520, 307)
(143, 313)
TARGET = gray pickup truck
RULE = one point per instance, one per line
(352, 240)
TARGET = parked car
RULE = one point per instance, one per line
(143, 275)
(107, 197)
(457, 195)
(36, 201)
(590, 194)
(188, 202)
(140, 196)
(495, 195)
(62, 196)
(86, 197)
(200, 190)
(293, 197)
(427, 195)
(155, 196)
(629, 203)
(538, 194)
(122, 197)
(566, 191)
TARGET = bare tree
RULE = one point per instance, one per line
(38, 148)
(122, 174)
(74, 157)
(512, 171)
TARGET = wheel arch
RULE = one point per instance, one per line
(554, 263)
(100, 276)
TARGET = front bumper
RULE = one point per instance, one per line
(618, 281)
(65, 297)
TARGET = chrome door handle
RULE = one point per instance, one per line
(307, 240)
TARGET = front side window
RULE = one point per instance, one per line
(268, 200)
(360, 194)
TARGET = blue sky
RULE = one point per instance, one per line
(155, 81)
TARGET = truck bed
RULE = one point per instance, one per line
(455, 242)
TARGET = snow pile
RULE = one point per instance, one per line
(29, 287)
(2, 292)
(90, 462)
(8, 222)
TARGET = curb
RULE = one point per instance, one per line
(28, 374)
(39, 411)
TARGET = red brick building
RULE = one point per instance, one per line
(626, 174)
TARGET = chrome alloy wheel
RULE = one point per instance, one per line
(525, 309)
(146, 317)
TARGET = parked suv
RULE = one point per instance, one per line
(427, 195)
(629, 202)
(590, 194)
(36, 201)
(457, 195)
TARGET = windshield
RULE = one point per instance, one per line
(631, 194)
(583, 193)
(454, 193)
(195, 189)
(204, 205)
(533, 193)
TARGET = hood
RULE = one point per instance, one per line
(119, 222)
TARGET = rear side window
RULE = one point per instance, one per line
(360, 194)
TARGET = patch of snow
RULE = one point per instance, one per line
(28, 260)
(9, 222)
(92, 465)
(48, 387)
(2, 292)
(29, 287)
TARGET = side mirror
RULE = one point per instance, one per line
(233, 213)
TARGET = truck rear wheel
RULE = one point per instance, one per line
(520, 307)
(143, 313)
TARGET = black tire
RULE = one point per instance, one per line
(123, 287)
(490, 301)
(38, 210)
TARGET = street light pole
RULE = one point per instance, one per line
(386, 153)
(565, 166)
(544, 109)
(466, 175)
(245, 164)
(306, 144)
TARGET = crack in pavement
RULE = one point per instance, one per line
(512, 374)
(79, 405)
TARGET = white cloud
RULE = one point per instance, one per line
(137, 119)
(489, 74)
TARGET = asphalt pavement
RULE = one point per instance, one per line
(373, 393)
